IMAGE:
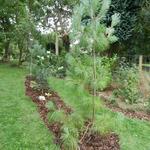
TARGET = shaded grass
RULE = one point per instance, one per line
(20, 125)
(134, 134)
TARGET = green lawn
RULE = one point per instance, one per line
(134, 134)
(22, 129)
(20, 125)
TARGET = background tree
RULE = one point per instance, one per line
(128, 10)
(7, 20)
(139, 44)
(57, 19)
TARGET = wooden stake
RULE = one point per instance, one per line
(140, 63)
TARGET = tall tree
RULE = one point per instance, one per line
(140, 43)
(128, 10)
(58, 18)
(17, 23)
(7, 19)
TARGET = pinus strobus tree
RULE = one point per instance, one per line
(88, 41)
(89, 38)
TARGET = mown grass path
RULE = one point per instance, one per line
(20, 125)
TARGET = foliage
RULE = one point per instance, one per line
(73, 124)
(58, 65)
(33, 85)
(128, 80)
(21, 21)
(89, 39)
(44, 63)
(84, 35)
(81, 70)
(128, 11)
(148, 105)
(59, 12)
(141, 32)
(39, 64)
(16, 27)
(50, 105)
(82, 65)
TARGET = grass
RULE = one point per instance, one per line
(20, 125)
(134, 134)
(22, 129)
(146, 65)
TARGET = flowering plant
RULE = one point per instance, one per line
(45, 63)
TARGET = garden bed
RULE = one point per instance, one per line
(89, 142)
(131, 113)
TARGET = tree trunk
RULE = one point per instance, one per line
(6, 57)
(20, 57)
(57, 45)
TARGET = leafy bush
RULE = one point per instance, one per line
(81, 70)
(58, 65)
(39, 64)
(43, 63)
(128, 80)
(148, 105)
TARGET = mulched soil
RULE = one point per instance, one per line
(97, 142)
(105, 95)
(89, 142)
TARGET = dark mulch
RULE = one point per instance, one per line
(97, 142)
(89, 142)
(130, 113)
(41, 105)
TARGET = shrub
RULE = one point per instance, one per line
(39, 64)
(148, 105)
(58, 65)
(44, 63)
(81, 70)
(128, 80)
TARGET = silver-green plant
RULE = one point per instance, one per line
(93, 36)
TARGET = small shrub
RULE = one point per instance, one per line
(39, 64)
(148, 105)
(58, 65)
(50, 105)
(81, 70)
(128, 81)
(70, 137)
(112, 99)
(44, 63)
